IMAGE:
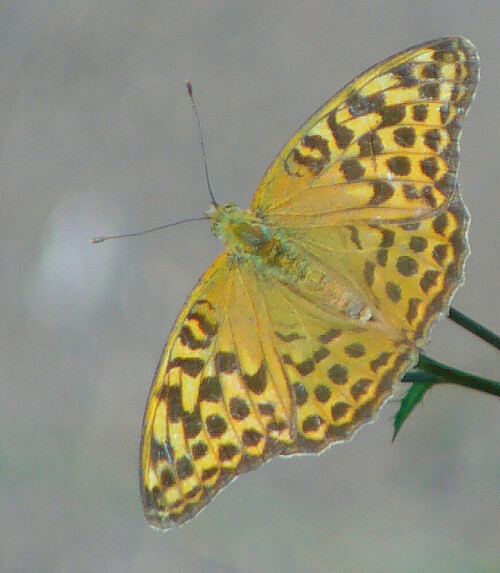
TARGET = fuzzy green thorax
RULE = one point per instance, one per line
(250, 237)
(241, 230)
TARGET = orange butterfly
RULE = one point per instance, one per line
(354, 245)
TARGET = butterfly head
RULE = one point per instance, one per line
(242, 230)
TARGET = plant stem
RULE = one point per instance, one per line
(474, 327)
(443, 374)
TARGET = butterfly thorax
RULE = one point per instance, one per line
(249, 236)
(241, 230)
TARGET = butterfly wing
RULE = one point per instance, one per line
(252, 370)
(388, 138)
(339, 369)
(218, 401)
(368, 185)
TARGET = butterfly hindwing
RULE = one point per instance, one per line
(339, 370)
(405, 272)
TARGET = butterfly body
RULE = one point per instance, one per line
(354, 245)
(250, 239)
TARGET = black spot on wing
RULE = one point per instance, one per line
(352, 169)
(382, 192)
(204, 324)
(392, 114)
(210, 389)
(404, 136)
(257, 382)
(343, 135)
(226, 362)
(370, 144)
(399, 165)
(216, 425)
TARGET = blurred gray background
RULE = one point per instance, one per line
(98, 137)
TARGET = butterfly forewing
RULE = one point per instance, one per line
(220, 403)
(397, 123)
(370, 183)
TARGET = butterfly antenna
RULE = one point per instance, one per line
(102, 238)
(189, 87)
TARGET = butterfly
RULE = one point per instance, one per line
(329, 284)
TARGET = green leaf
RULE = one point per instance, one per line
(429, 372)
(413, 397)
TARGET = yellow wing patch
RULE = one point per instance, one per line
(329, 285)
